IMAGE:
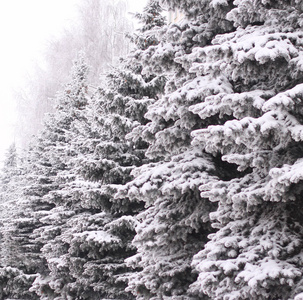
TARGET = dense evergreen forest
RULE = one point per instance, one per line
(178, 177)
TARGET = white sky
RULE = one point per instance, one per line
(25, 27)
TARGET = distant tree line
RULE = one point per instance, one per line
(100, 30)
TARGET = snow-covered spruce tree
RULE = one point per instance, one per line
(8, 172)
(30, 212)
(15, 277)
(86, 260)
(9, 193)
(245, 75)
(233, 99)
(49, 165)
(175, 224)
(257, 251)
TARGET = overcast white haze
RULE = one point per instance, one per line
(25, 28)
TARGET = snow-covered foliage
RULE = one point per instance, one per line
(86, 235)
(233, 96)
(84, 249)
(254, 124)
(9, 177)
(17, 250)
(180, 176)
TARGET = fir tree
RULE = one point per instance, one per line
(16, 276)
(51, 159)
(256, 252)
(229, 125)
(86, 260)
(176, 222)
(10, 168)
(32, 222)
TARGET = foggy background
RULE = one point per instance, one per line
(37, 37)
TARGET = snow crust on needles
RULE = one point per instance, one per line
(97, 236)
(299, 297)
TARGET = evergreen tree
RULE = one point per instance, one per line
(256, 252)
(15, 275)
(34, 209)
(86, 260)
(51, 169)
(228, 125)
(10, 169)
(175, 224)
(235, 102)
